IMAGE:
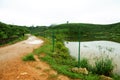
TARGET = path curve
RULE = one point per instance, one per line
(13, 68)
(11, 64)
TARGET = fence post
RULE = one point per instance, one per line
(79, 49)
(53, 41)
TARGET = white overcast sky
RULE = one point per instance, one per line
(47, 12)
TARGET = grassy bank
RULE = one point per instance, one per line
(14, 41)
(61, 61)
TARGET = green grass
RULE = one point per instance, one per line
(62, 62)
(29, 57)
(84, 63)
(104, 66)
(15, 41)
(115, 76)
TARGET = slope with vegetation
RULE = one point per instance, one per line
(86, 31)
(89, 32)
(10, 33)
(61, 60)
(38, 30)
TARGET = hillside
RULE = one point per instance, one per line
(89, 32)
(86, 31)
(11, 32)
(68, 31)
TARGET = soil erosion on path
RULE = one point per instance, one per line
(13, 68)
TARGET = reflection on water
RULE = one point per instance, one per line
(94, 49)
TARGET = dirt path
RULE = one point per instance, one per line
(13, 68)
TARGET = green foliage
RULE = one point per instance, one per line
(64, 65)
(59, 45)
(115, 76)
(29, 57)
(38, 30)
(10, 33)
(84, 63)
(64, 69)
(62, 62)
(103, 66)
(47, 48)
(91, 77)
(88, 32)
(62, 55)
(18, 39)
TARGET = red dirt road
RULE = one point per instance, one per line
(13, 68)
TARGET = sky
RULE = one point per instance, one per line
(48, 12)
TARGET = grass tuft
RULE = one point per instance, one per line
(104, 66)
(29, 57)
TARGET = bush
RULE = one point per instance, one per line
(28, 57)
(103, 66)
(84, 63)
(59, 45)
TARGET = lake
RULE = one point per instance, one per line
(95, 49)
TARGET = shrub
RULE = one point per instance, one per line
(103, 66)
(28, 57)
(59, 45)
(84, 63)
(64, 50)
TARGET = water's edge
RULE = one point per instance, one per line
(94, 49)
